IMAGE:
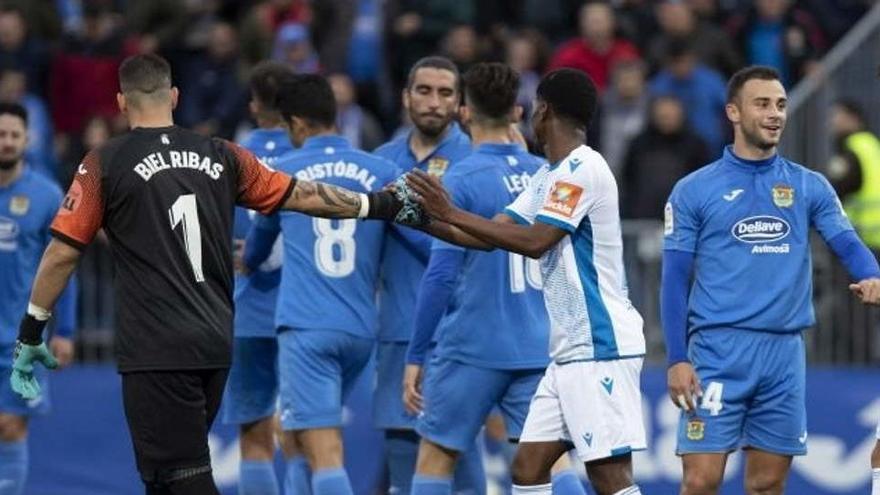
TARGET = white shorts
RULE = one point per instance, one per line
(597, 405)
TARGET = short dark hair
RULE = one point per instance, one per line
(433, 62)
(265, 80)
(309, 97)
(146, 73)
(491, 89)
(16, 110)
(742, 76)
(571, 94)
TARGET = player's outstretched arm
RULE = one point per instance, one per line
(861, 265)
(529, 240)
(56, 268)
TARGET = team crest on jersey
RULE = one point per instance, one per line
(563, 198)
(783, 195)
(696, 429)
(437, 166)
(19, 205)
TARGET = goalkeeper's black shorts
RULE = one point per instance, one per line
(169, 414)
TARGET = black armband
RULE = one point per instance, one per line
(30, 331)
(384, 205)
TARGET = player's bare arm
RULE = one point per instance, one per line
(454, 235)
(532, 240)
(58, 263)
(323, 200)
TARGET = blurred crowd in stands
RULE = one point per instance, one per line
(661, 65)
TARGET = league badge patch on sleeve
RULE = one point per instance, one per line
(783, 195)
(437, 166)
(19, 205)
(696, 429)
(668, 219)
(563, 198)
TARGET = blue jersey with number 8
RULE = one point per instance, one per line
(331, 266)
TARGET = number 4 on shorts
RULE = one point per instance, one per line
(712, 398)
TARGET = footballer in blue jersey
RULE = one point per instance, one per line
(434, 144)
(326, 315)
(740, 229)
(568, 216)
(486, 307)
(28, 203)
(252, 387)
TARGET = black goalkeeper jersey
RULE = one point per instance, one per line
(165, 199)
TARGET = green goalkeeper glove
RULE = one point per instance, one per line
(22, 380)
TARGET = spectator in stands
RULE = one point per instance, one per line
(332, 26)
(212, 96)
(294, 48)
(416, 28)
(39, 153)
(713, 46)
(701, 90)
(157, 25)
(22, 52)
(366, 57)
(262, 23)
(527, 52)
(624, 111)
(462, 46)
(854, 171)
(657, 158)
(636, 21)
(780, 34)
(597, 49)
(353, 122)
(83, 79)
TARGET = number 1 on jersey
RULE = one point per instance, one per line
(186, 210)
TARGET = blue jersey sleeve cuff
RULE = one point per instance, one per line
(556, 223)
(516, 217)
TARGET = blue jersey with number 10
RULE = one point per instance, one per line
(496, 317)
(331, 267)
(255, 295)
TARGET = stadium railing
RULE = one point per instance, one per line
(846, 332)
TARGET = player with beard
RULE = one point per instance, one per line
(165, 196)
(740, 229)
(431, 99)
(28, 201)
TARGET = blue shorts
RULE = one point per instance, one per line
(252, 388)
(11, 402)
(458, 397)
(754, 390)
(388, 410)
(317, 371)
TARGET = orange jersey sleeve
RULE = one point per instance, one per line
(82, 212)
(260, 187)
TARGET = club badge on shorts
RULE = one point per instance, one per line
(437, 166)
(19, 205)
(696, 429)
(783, 195)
